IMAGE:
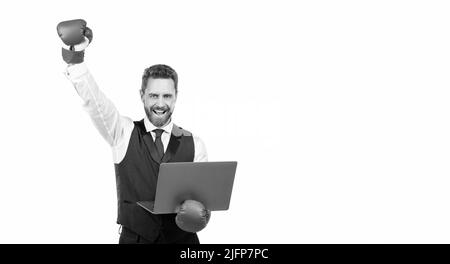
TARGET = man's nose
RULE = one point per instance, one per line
(160, 102)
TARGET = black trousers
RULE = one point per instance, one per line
(129, 237)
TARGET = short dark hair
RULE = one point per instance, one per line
(159, 71)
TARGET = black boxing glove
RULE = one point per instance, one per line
(192, 216)
(77, 36)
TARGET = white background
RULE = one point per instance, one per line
(337, 112)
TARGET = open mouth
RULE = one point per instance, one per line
(159, 112)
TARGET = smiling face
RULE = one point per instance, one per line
(159, 98)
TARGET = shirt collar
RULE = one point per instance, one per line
(149, 126)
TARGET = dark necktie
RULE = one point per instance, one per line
(158, 142)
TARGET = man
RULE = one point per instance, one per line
(139, 146)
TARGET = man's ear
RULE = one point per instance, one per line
(142, 94)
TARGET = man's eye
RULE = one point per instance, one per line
(167, 96)
(154, 96)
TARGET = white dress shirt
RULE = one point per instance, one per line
(115, 128)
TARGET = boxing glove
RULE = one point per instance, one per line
(76, 35)
(192, 216)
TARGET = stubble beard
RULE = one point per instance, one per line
(157, 120)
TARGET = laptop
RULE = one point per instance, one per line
(210, 183)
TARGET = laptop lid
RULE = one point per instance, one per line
(210, 183)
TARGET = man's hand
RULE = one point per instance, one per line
(76, 36)
(192, 216)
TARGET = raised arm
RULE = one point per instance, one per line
(112, 126)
